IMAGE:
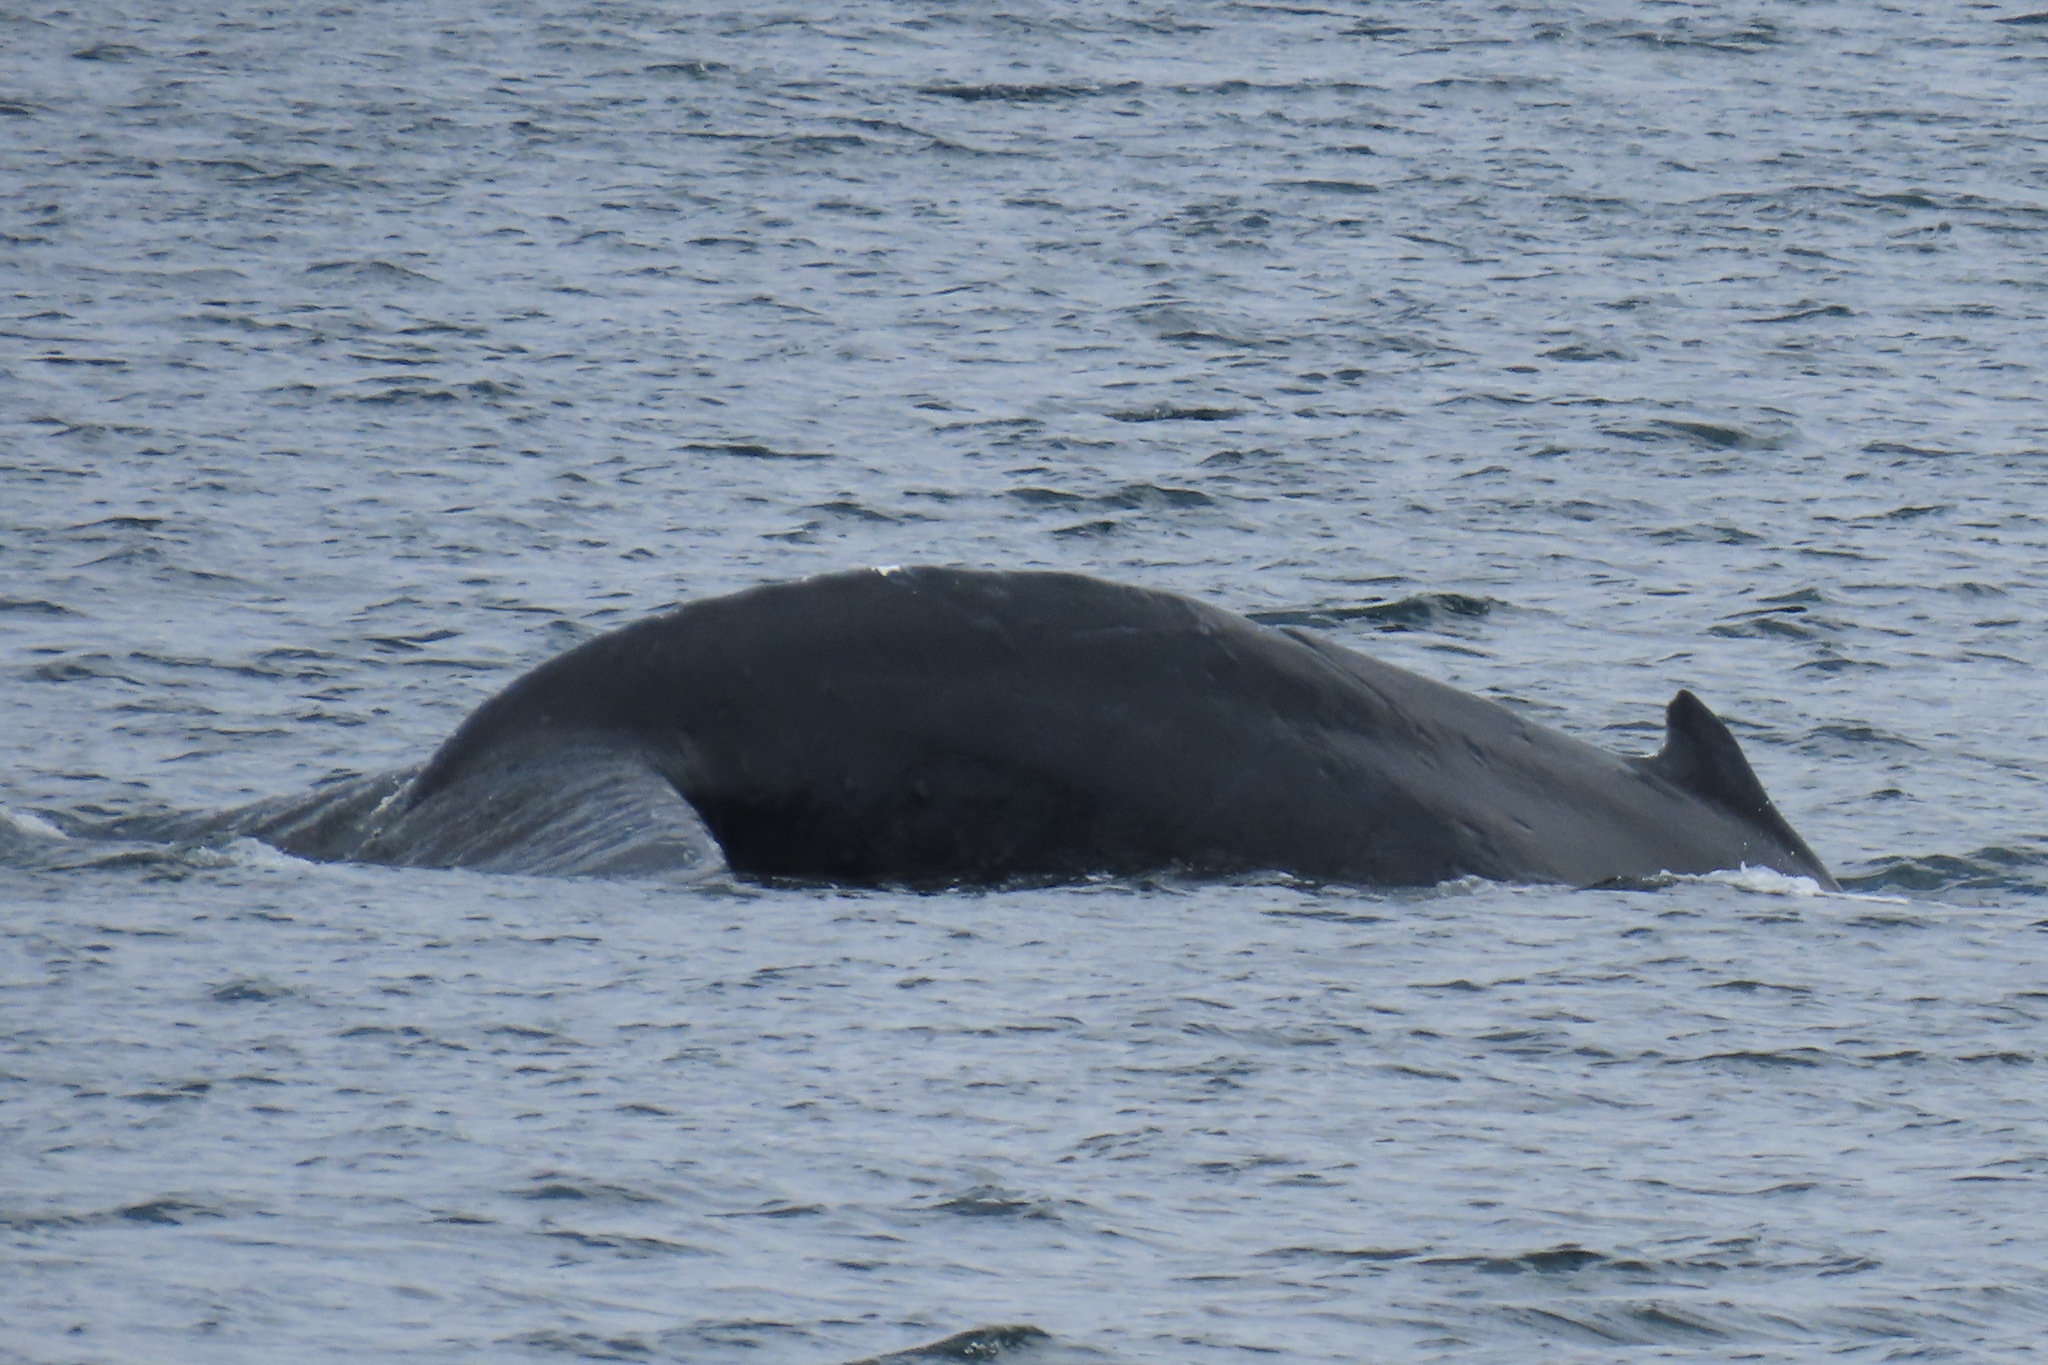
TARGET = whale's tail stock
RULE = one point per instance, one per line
(577, 808)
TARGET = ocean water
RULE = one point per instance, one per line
(354, 359)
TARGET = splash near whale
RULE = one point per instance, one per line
(950, 727)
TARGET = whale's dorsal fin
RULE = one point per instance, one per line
(1700, 756)
(1702, 759)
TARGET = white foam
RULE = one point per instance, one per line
(247, 852)
(27, 822)
(1764, 881)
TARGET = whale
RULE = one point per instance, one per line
(941, 727)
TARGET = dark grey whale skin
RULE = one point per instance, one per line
(944, 727)
(948, 726)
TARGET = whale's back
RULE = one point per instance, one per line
(950, 726)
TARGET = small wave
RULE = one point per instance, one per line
(1435, 611)
(827, 144)
(1718, 533)
(1338, 187)
(752, 450)
(585, 1345)
(28, 823)
(1771, 626)
(626, 1246)
(554, 1185)
(255, 853)
(1178, 322)
(1621, 1324)
(1580, 352)
(1368, 1255)
(848, 510)
(977, 1343)
(1489, 84)
(34, 606)
(1846, 735)
(695, 70)
(108, 52)
(31, 843)
(1756, 37)
(1552, 1261)
(1132, 497)
(775, 1208)
(1707, 435)
(1167, 412)
(249, 990)
(1024, 94)
(164, 1212)
(1762, 881)
(990, 1201)
(1090, 529)
(1794, 1058)
(1994, 868)
(1669, 1264)
(158, 862)
(1826, 310)
(366, 272)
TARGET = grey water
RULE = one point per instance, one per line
(354, 358)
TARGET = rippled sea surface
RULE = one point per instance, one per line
(354, 359)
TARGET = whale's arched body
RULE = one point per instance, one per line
(953, 727)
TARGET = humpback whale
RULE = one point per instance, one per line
(936, 727)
